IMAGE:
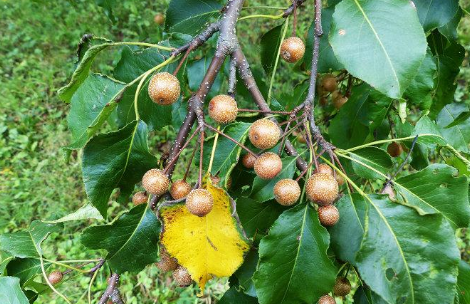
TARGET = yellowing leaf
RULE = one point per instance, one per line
(210, 246)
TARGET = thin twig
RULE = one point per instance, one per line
(201, 156)
(231, 139)
(189, 163)
(113, 281)
(390, 180)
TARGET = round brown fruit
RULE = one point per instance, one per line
(326, 299)
(292, 49)
(55, 277)
(164, 88)
(182, 276)
(324, 168)
(287, 192)
(223, 109)
(139, 198)
(339, 101)
(268, 165)
(342, 287)
(159, 19)
(166, 263)
(394, 149)
(322, 188)
(329, 83)
(199, 202)
(328, 215)
(339, 179)
(179, 189)
(155, 182)
(264, 134)
(248, 161)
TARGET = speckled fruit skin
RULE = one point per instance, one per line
(268, 165)
(342, 287)
(264, 134)
(329, 83)
(223, 109)
(159, 19)
(326, 299)
(324, 168)
(199, 202)
(140, 197)
(394, 149)
(55, 277)
(166, 263)
(155, 182)
(248, 161)
(322, 188)
(179, 189)
(164, 88)
(292, 49)
(287, 192)
(182, 276)
(328, 215)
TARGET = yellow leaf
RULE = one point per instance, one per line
(210, 246)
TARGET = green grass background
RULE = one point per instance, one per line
(38, 40)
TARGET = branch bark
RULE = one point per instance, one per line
(112, 285)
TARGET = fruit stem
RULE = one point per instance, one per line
(189, 163)
(231, 139)
(201, 157)
(276, 62)
(180, 64)
(175, 158)
(275, 17)
(294, 23)
(214, 146)
(389, 181)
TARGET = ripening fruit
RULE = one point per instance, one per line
(179, 189)
(199, 202)
(287, 192)
(264, 134)
(329, 83)
(342, 287)
(164, 88)
(140, 197)
(166, 263)
(323, 101)
(339, 101)
(322, 188)
(339, 179)
(155, 182)
(159, 19)
(326, 299)
(328, 215)
(182, 276)
(292, 49)
(223, 109)
(55, 277)
(394, 149)
(268, 165)
(324, 168)
(248, 161)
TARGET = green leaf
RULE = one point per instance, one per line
(270, 43)
(107, 6)
(5, 258)
(24, 269)
(27, 243)
(117, 159)
(450, 29)
(328, 60)
(196, 72)
(232, 296)
(373, 157)
(437, 189)
(10, 291)
(457, 116)
(388, 261)
(364, 295)
(384, 52)
(131, 240)
(84, 213)
(463, 283)
(257, 217)
(189, 16)
(425, 126)
(263, 190)
(435, 13)
(245, 273)
(419, 91)
(294, 254)
(91, 105)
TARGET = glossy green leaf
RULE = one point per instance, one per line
(293, 264)
(131, 240)
(428, 132)
(189, 16)
(117, 159)
(196, 72)
(84, 213)
(463, 283)
(449, 30)
(458, 135)
(24, 269)
(388, 261)
(245, 273)
(233, 296)
(437, 189)
(436, 13)
(263, 190)
(420, 89)
(10, 291)
(371, 157)
(364, 295)
(270, 43)
(384, 52)
(5, 258)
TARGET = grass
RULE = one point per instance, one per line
(36, 50)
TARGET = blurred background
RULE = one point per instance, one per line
(38, 40)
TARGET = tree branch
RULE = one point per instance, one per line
(113, 281)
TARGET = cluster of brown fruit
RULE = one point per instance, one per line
(180, 274)
(329, 85)
(341, 289)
